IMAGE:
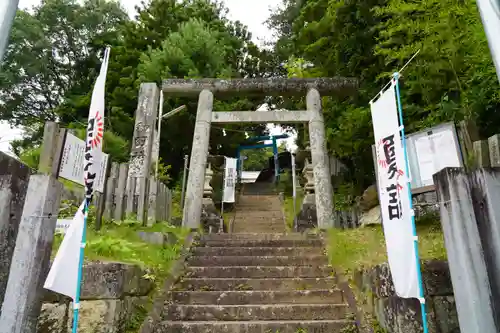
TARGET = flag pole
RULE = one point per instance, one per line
(76, 301)
(415, 237)
(88, 201)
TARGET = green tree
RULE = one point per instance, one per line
(53, 56)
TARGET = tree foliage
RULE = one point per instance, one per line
(55, 50)
(452, 78)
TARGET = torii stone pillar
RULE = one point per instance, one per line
(320, 161)
(264, 87)
(199, 153)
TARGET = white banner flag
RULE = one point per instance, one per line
(393, 193)
(229, 180)
(63, 275)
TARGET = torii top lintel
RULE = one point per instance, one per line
(260, 86)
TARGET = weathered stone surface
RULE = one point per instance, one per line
(260, 272)
(371, 217)
(53, 318)
(320, 162)
(311, 326)
(259, 297)
(97, 316)
(369, 199)
(196, 178)
(14, 177)
(109, 281)
(100, 316)
(210, 217)
(259, 86)
(257, 312)
(275, 117)
(445, 312)
(436, 278)
(399, 315)
(296, 283)
(307, 218)
(156, 238)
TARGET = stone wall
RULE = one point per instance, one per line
(114, 299)
(397, 315)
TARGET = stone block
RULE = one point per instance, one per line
(369, 199)
(371, 217)
(109, 281)
(54, 318)
(436, 278)
(307, 217)
(135, 311)
(445, 311)
(155, 238)
(210, 217)
(99, 316)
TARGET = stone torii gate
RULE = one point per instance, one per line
(207, 88)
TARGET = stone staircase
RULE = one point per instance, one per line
(257, 280)
(257, 283)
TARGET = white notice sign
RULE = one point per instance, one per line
(72, 162)
(62, 225)
(228, 194)
(435, 152)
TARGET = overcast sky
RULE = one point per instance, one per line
(252, 13)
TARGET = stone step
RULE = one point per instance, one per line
(261, 229)
(274, 326)
(258, 297)
(209, 261)
(260, 284)
(258, 272)
(256, 312)
(263, 243)
(256, 236)
(257, 251)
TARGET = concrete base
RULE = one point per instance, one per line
(307, 218)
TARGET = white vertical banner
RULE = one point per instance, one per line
(229, 180)
(394, 198)
(64, 274)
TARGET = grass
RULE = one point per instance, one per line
(288, 205)
(121, 243)
(355, 248)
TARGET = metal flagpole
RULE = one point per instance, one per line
(294, 192)
(184, 177)
(415, 242)
(8, 10)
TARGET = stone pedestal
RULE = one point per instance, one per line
(210, 217)
(307, 217)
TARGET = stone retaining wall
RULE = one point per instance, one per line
(399, 315)
(114, 298)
